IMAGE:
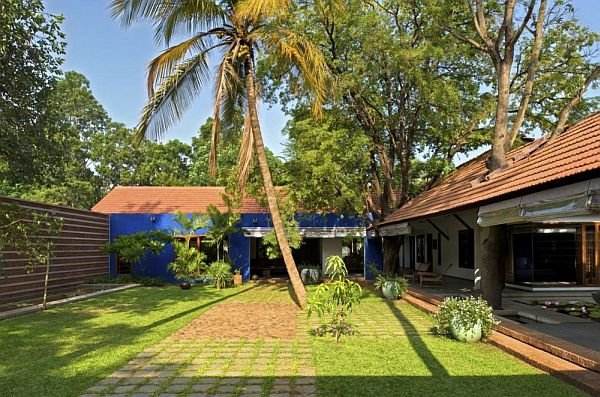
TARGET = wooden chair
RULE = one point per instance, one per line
(433, 277)
(419, 268)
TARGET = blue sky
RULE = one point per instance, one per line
(114, 59)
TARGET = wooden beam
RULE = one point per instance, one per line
(465, 224)
(438, 229)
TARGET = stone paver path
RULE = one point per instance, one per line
(244, 320)
(240, 348)
(244, 347)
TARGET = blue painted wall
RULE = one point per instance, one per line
(239, 245)
(373, 256)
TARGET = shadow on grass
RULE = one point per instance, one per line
(41, 351)
(417, 343)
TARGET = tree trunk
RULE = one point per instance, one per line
(492, 243)
(45, 298)
(391, 245)
(259, 146)
(501, 134)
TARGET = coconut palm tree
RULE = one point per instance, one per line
(234, 31)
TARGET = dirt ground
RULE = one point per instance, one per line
(243, 320)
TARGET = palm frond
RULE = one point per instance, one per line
(173, 97)
(188, 18)
(130, 11)
(256, 10)
(170, 17)
(163, 65)
(229, 94)
(298, 53)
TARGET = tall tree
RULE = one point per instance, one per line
(400, 81)
(73, 117)
(236, 31)
(31, 49)
(543, 63)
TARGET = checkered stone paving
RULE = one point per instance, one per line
(191, 364)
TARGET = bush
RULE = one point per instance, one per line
(336, 299)
(220, 272)
(465, 312)
(188, 262)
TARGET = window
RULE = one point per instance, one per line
(421, 249)
(466, 249)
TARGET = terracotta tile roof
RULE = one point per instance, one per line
(576, 151)
(167, 200)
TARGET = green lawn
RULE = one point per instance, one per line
(65, 350)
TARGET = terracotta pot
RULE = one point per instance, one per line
(237, 279)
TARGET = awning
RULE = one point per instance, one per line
(574, 200)
(396, 229)
(311, 232)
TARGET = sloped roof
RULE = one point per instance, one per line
(575, 152)
(168, 200)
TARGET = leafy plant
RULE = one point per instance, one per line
(132, 248)
(397, 284)
(220, 272)
(465, 313)
(221, 224)
(336, 299)
(188, 262)
(189, 225)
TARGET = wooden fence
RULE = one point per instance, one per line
(74, 259)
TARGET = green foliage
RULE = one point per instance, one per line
(466, 312)
(220, 272)
(31, 51)
(27, 231)
(132, 248)
(189, 225)
(129, 279)
(220, 224)
(188, 262)
(291, 227)
(328, 165)
(335, 299)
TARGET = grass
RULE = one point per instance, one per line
(65, 350)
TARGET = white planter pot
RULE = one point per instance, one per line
(463, 334)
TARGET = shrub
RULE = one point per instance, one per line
(220, 272)
(336, 299)
(465, 312)
(188, 262)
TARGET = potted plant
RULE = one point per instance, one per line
(310, 274)
(220, 272)
(237, 278)
(187, 264)
(466, 319)
(391, 287)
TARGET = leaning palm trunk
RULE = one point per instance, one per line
(261, 155)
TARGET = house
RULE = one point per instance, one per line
(548, 196)
(135, 209)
